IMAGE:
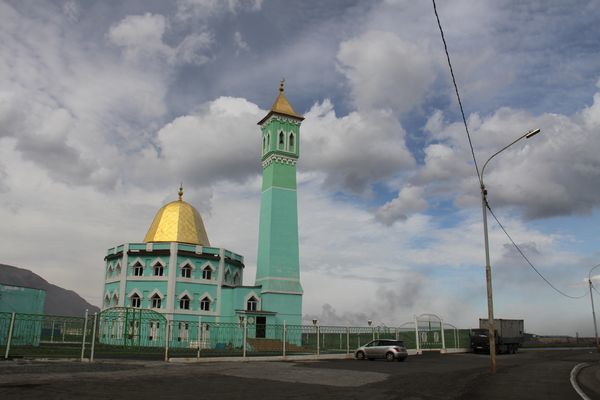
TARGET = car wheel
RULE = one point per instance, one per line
(360, 355)
(389, 356)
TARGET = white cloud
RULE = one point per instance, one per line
(409, 200)
(204, 9)
(551, 174)
(240, 43)
(141, 37)
(386, 72)
(356, 150)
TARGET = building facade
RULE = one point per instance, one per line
(177, 273)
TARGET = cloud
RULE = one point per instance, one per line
(409, 200)
(386, 72)
(204, 9)
(240, 43)
(356, 150)
(141, 37)
(531, 175)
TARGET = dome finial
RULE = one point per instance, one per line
(180, 193)
(281, 82)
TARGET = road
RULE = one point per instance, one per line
(527, 375)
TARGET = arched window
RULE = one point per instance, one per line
(184, 303)
(159, 270)
(109, 272)
(227, 276)
(205, 304)
(281, 144)
(138, 269)
(252, 304)
(291, 142)
(156, 301)
(107, 300)
(118, 269)
(236, 279)
(186, 271)
(264, 143)
(115, 300)
(136, 301)
(269, 141)
(207, 273)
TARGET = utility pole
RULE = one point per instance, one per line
(594, 315)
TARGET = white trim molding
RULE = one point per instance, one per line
(185, 293)
(135, 291)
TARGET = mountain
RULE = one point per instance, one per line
(59, 301)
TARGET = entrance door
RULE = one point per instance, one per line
(261, 327)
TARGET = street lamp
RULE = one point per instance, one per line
(488, 269)
(593, 311)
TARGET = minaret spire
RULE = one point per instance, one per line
(180, 193)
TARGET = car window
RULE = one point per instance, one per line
(373, 344)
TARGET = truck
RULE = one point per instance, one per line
(509, 335)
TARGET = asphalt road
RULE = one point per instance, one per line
(527, 375)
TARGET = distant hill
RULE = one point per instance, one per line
(59, 301)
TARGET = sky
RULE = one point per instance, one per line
(105, 107)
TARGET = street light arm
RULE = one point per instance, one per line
(527, 135)
(590, 274)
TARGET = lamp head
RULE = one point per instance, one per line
(315, 321)
(532, 133)
(369, 322)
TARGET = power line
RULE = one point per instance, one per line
(456, 90)
(527, 259)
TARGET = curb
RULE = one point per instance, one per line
(574, 383)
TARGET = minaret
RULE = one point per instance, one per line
(278, 266)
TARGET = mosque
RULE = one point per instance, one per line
(177, 273)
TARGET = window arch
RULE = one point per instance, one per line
(109, 272)
(207, 273)
(136, 301)
(186, 271)
(264, 143)
(115, 299)
(236, 279)
(118, 269)
(269, 141)
(107, 300)
(252, 304)
(138, 269)
(184, 303)
(227, 278)
(156, 301)
(281, 143)
(291, 143)
(205, 304)
(159, 269)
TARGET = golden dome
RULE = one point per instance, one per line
(177, 221)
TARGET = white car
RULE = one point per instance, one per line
(383, 348)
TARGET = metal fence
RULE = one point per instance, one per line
(144, 334)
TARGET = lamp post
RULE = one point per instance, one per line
(488, 269)
(593, 311)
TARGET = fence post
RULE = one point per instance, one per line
(318, 334)
(443, 336)
(417, 334)
(284, 337)
(199, 335)
(245, 337)
(84, 332)
(64, 330)
(397, 333)
(167, 338)
(52, 333)
(93, 337)
(10, 333)
(347, 340)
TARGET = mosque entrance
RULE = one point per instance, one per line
(261, 327)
